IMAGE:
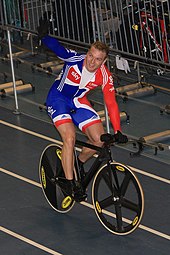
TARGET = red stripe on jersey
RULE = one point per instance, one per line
(84, 100)
(90, 124)
(60, 122)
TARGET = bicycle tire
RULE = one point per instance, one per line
(119, 205)
(50, 169)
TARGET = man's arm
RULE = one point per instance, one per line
(54, 45)
(63, 53)
(112, 107)
(111, 103)
(113, 110)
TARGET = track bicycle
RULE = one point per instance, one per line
(149, 20)
(117, 195)
(153, 28)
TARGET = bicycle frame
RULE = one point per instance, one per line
(145, 27)
(104, 156)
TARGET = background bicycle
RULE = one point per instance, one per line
(148, 25)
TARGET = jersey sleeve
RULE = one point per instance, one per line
(111, 103)
(61, 52)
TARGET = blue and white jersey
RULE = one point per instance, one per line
(75, 89)
(69, 82)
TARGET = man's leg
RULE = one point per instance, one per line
(93, 133)
(67, 132)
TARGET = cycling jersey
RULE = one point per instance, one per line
(66, 100)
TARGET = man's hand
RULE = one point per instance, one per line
(120, 138)
(43, 28)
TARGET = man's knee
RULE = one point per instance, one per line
(94, 133)
(67, 132)
(95, 139)
(69, 140)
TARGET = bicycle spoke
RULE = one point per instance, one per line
(111, 180)
(119, 218)
(106, 202)
(115, 178)
(125, 184)
(107, 180)
(130, 205)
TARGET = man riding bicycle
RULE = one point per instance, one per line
(68, 106)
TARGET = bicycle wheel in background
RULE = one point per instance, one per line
(50, 169)
(118, 198)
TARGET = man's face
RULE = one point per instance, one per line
(94, 59)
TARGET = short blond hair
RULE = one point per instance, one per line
(100, 46)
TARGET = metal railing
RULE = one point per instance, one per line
(141, 28)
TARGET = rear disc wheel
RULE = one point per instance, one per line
(50, 171)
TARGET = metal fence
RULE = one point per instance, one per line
(138, 27)
(141, 28)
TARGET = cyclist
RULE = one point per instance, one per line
(67, 102)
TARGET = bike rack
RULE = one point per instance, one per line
(10, 84)
(154, 141)
(136, 90)
(157, 137)
(7, 89)
(50, 63)
(20, 54)
(55, 69)
(126, 88)
(52, 67)
(124, 117)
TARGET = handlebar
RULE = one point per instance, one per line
(138, 144)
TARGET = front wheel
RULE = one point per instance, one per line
(118, 198)
(50, 170)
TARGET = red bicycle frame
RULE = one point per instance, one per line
(145, 17)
